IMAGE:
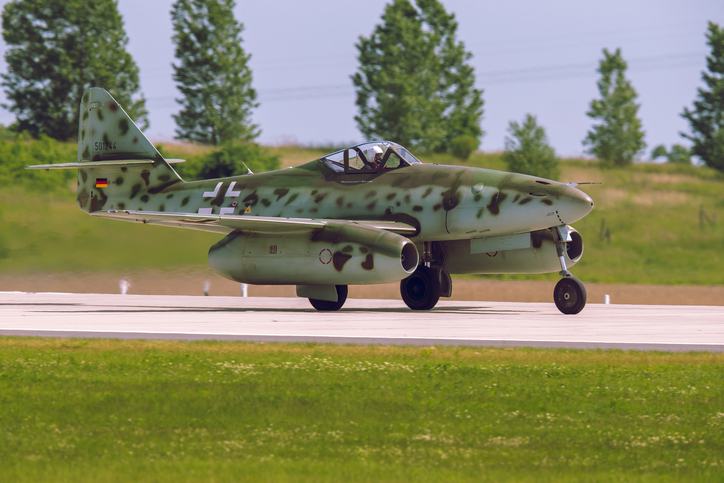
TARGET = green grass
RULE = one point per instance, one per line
(665, 223)
(79, 410)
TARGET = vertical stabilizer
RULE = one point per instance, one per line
(106, 132)
(119, 167)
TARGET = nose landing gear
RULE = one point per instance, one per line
(570, 293)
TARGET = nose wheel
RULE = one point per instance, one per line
(570, 295)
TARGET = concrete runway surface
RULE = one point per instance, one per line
(275, 319)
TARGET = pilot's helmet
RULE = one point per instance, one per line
(374, 154)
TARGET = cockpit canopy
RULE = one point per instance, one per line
(370, 157)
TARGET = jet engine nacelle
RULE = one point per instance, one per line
(343, 254)
(533, 252)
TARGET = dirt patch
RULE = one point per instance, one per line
(195, 282)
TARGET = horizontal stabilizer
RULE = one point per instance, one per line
(100, 164)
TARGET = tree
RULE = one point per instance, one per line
(707, 117)
(527, 150)
(619, 137)
(678, 154)
(213, 73)
(57, 50)
(414, 85)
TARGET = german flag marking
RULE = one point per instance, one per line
(101, 182)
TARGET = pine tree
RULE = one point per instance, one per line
(619, 136)
(414, 85)
(527, 150)
(57, 50)
(213, 73)
(707, 117)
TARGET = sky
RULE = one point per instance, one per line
(529, 56)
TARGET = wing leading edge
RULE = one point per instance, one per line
(250, 224)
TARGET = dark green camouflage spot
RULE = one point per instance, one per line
(265, 202)
(291, 199)
(119, 181)
(417, 208)
(427, 192)
(369, 263)
(144, 198)
(123, 126)
(339, 259)
(281, 193)
(185, 201)
(348, 249)
(494, 206)
(135, 189)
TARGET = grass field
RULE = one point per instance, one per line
(652, 224)
(79, 410)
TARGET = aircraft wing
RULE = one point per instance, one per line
(251, 224)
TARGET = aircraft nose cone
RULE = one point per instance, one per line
(573, 205)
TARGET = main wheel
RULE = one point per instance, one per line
(421, 290)
(326, 305)
(570, 295)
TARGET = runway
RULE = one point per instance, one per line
(276, 319)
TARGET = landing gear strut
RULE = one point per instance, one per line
(570, 293)
(326, 305)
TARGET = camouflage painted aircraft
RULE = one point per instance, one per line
(371, 213)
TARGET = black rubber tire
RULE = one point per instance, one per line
(421, 290)
(570, 295)
(326, 305)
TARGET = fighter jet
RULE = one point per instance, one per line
(371, 213)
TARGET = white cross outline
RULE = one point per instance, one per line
(212, 194)
(230, 193)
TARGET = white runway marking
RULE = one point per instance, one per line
(499, 324)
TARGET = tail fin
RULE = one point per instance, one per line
(106, 132)
(119, 168)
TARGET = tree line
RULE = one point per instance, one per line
(414, 85)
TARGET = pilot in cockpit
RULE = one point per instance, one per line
(374, 157)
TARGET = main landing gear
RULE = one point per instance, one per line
(570, 293)
(423, 289)
(326, 305)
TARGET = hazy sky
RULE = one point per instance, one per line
(530, 56)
